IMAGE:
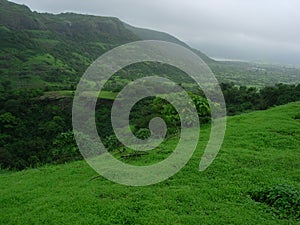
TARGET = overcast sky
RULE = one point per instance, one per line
(267, 30)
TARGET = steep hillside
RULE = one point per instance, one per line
(18, 17)
(70, 25)
(41, 49)
(260, 151)
(44, 50)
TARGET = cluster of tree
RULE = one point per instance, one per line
(240, 99)
(35, 131)
(30, 128)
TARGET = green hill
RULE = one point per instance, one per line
(42, 50)
(260, 151)
(38, 49)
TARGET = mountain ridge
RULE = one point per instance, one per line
(43, 49)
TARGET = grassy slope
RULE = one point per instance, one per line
(260, 149)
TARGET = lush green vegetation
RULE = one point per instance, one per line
(241, 99)
(41, 122)
(29, 126)
(254, 180)
(283, 199)
(35, 52)
(51, 52)
(253, 158)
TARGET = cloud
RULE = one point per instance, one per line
(251, 29)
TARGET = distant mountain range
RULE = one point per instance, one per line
(41, 49)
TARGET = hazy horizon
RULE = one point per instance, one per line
(247, 30)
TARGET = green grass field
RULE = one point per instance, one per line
(261, 149)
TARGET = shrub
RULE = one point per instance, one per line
(283, 199)
(143, 133)
(171, 116)
(65, 148)
(297, 117)
(112, 143)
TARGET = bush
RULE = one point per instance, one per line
(143, 133)
(172, 117)
(284, 200)
(65, 148)
(112, 143)
(297, 117)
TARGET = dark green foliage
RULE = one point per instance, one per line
(143, 133)
(171, 116)
(284, 200)
(202, 107)
(103, 118)
(112, 143)
(297, 117)
(65, 148)
(29, 121)
(241, 99)
(28, 127)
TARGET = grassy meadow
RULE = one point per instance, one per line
(260, 150)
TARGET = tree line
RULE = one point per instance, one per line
(35, 131)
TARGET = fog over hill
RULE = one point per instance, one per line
(264, 30)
